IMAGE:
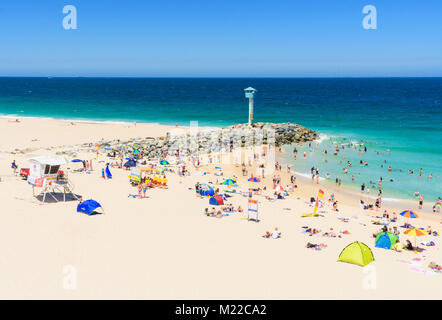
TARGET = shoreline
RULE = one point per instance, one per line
(163, 128)
(97, 121)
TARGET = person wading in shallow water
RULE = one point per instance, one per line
(421, 201)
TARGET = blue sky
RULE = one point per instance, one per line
(221, 38)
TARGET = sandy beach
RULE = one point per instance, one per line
(164, 247)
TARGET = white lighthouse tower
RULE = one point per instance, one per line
(250, 93)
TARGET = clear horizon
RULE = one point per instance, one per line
(221, 39)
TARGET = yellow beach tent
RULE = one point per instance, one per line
(356, 253)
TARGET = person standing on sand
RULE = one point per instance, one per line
(421, 201)
(140, 189)
(14, 167)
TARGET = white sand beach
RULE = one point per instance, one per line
(164, 247)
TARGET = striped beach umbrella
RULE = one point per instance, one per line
(164, 162)
(278, 188)
(254, 179)
(409, 214)
(415, 233)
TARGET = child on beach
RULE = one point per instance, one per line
(144, 186)
(140, 189)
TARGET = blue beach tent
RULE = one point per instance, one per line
(88, 206)
(207, 190)
(130, 163)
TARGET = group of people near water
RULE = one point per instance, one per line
(365, 187)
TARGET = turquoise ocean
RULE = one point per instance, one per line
(398, 120)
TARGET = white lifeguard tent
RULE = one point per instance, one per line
(44, 173)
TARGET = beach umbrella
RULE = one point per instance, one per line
(77, 160)
(164, 162)
(415, 233)
(409, 214)
(136, 151)
(254, 179)
(278, 188)
(229, 182)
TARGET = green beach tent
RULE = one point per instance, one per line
(356, 253)
(385, 240)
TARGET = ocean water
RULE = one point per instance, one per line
(402, 115)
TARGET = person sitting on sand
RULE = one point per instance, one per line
(240, 209)
(398, 246)
(408, 246)
(429, 230)
(276, 233)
